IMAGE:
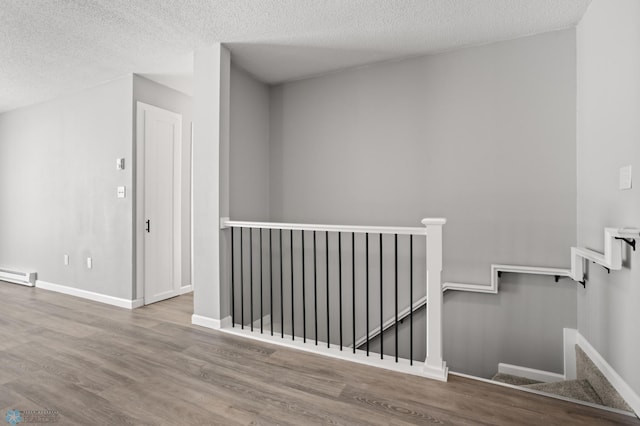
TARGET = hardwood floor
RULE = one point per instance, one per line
(99, 365)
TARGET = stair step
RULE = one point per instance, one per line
(513, 380)
(576, 389)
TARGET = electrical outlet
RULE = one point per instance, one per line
(89, 263)
(625, 177)
(66, 259)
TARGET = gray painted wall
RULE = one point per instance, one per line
(152, 93)
(248, 172)
(483, 136)
(58, 182)
(608, 138)
(248, 147)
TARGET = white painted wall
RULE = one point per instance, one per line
(483, 136)
(152, 93)
(608, 134)
(58, 182)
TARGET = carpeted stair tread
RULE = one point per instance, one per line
(588, 371)
(576, 389)
(513, 380)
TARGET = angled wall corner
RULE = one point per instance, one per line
(210, 178)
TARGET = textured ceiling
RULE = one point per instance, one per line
(50, 47)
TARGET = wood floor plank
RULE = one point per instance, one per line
(101, 365)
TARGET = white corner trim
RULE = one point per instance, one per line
(627, 393)
(530, 373)
(90, 295)
(569, 340)
(212, 323)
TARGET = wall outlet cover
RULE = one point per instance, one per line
(625, 177)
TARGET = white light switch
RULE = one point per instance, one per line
(625, 177)
(122, 192)
(89, 263)
(66, 259)
(120, 163)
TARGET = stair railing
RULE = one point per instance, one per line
(283, 279)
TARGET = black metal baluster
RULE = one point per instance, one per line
(353, 288)
(281, 292)
(251, 274)
(381, 319)
(304, 300)
(340, 281)
(327, 259)
(241, 280)
(395, 248)
(261, 285)
(367, 286)
(233, 286)
(315, 287)
(271, 281)
(293, 330)
(410, 299)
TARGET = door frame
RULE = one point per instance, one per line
(139, 193)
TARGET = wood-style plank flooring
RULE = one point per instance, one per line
(99, 365)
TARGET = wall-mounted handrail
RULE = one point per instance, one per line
(497, 270)
(611, 259)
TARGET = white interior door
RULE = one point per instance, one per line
(161, 135)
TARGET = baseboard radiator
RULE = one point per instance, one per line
(23, 278)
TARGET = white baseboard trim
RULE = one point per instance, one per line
(185, 289)
(213, 323)
(629, 395)
(360, 357)
(84, 294)
(530, 373)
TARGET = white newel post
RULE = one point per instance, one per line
(434, 365)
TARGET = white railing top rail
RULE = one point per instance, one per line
(226, 223)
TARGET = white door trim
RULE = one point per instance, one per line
(141, 108)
